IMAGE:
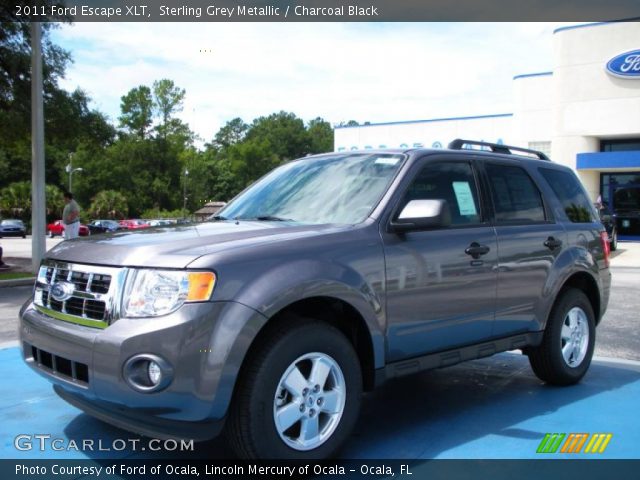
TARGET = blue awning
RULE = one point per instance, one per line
(598, 160)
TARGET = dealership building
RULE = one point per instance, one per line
(585, 113)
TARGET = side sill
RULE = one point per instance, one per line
(456, 355)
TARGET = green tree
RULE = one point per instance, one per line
(137, 111)
(15, 200)
(55, 202)
(231, 133)
(109, 204)
(168, 100)
(68, 117)
(285, 133)
(320, 136)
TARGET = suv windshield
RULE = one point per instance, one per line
(334, 189)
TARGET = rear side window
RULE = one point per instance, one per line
(516, 199)
(569, 191)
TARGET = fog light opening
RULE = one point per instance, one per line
(147, 373)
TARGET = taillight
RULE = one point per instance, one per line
(604, 239)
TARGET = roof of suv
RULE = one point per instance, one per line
(465, 147)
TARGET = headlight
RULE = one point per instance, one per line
(151, 293)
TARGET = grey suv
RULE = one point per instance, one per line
(323, 279)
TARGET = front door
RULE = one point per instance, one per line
(438, 296)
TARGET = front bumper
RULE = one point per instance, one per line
(205, 344)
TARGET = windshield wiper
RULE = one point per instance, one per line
(272, 218)
(218, 218)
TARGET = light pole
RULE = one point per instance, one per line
(184, 199)
(70, 170)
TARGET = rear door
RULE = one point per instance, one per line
(529, 241)
(438, 296)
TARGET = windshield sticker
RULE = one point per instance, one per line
(465, 198)
(387, 160)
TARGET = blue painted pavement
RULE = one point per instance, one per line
(493, 408)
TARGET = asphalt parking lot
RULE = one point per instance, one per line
(490, 408)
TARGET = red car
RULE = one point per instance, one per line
(57, 228)
(133, 224)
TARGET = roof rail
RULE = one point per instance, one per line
(458, 144)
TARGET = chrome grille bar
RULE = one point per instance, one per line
(95, 297)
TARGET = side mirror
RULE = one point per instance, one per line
(422, 215)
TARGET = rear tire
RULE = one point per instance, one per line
(566, 350)
(298, 396)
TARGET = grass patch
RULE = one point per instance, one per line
(15, 275)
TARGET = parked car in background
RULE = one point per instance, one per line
(57, 228)
(104, 226)
(133, 224)
(160, 222)
(608, 219)
(12, 228)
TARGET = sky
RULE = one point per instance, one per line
(375, 72)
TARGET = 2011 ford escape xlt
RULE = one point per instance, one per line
(324, 278)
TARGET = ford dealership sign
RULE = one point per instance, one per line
(625, 65)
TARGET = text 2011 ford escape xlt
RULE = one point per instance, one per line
(327, 276)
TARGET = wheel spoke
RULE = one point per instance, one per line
(573, 318)
(287, 416)
(566, 332)
(566, 352)
(295, 382)
(309, 429)
(319, 372)
(576, 353)
(331, 402)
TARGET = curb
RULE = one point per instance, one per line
(17, 282)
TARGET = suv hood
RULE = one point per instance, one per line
(178, 246)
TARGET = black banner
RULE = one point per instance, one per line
(322, 10)
(343, 469)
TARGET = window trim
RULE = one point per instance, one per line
(430, 159)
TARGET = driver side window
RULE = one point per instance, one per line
(452, 182)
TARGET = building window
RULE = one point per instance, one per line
(626, 145)
(544, 147)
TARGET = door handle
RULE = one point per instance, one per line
(552, 243)
(475, 250)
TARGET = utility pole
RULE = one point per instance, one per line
(184, 202)
(38, 200)
(70, 170)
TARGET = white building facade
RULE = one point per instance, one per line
(584, 114)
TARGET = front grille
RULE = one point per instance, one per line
(77, 372)
(83, 294)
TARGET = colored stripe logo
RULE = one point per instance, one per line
(574, 443)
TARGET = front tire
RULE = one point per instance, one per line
(299, 395)
(566, 350)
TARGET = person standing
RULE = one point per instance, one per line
(70, 217)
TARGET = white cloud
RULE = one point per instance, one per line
(368, 72)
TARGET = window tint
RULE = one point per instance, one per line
(452, 182)
(574, 200)
(515, 197)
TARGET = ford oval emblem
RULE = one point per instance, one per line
(62, 291)
(625, 65)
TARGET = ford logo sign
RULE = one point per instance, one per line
(625, 65)
(62, 291)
